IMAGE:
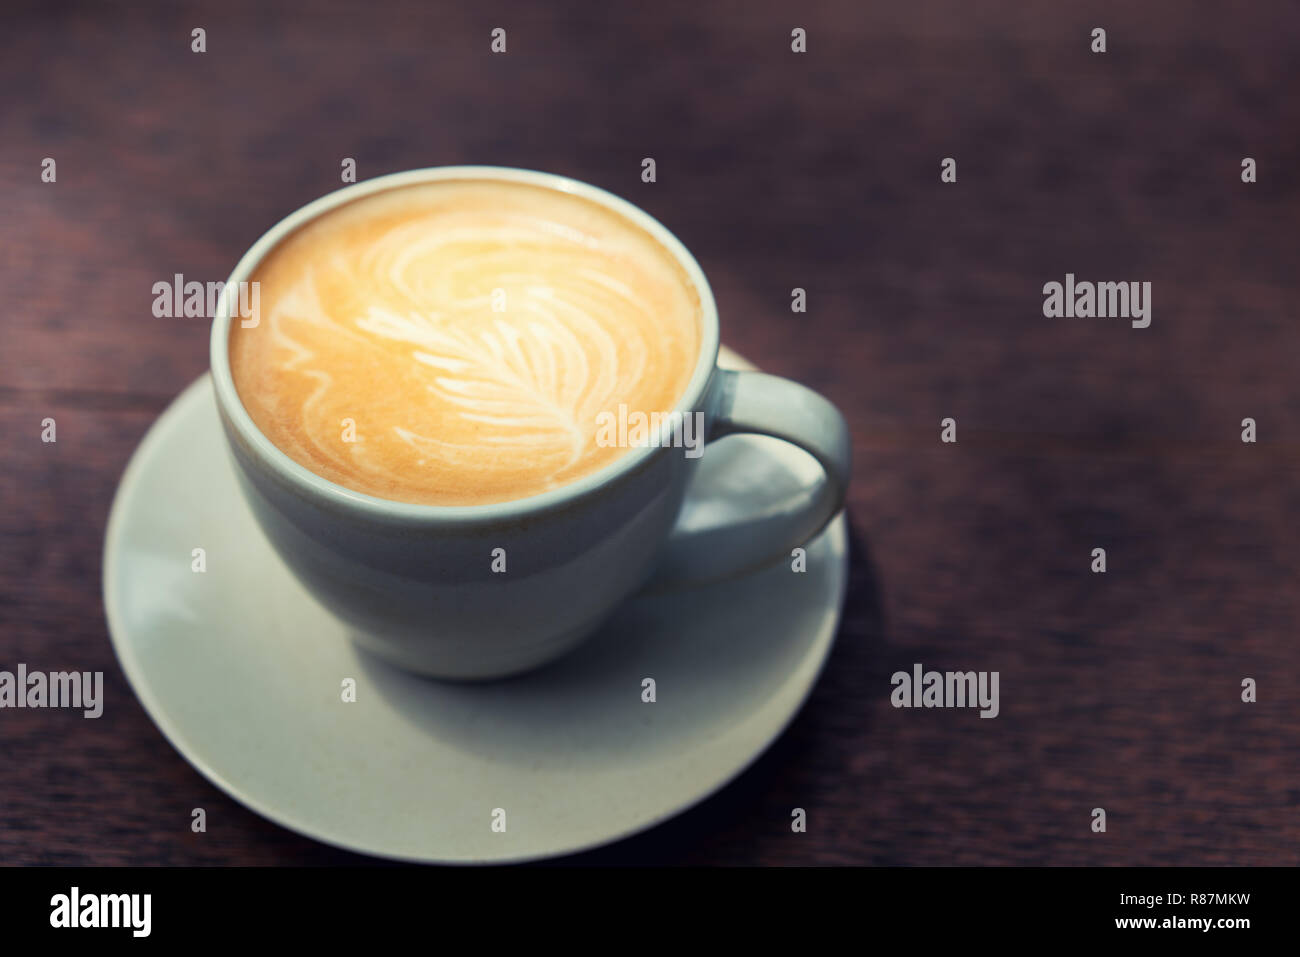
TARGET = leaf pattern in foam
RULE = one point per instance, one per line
(528, 383)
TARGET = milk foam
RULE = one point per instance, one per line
(470, 332)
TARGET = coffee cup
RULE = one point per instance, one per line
(473, 527)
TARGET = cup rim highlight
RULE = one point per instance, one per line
(330, 493)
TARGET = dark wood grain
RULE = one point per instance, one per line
(777, 170)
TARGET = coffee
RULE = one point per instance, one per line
(453, 342)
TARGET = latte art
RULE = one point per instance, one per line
(455, 342)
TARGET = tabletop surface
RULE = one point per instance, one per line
(817, 170)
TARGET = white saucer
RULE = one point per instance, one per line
(242, 672)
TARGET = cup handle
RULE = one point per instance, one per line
(754, 402)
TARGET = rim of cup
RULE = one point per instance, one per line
(331, 493)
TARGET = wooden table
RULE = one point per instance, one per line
(779, 170)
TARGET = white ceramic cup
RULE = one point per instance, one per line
(415, 583)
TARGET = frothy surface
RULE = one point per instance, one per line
(472, 331)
